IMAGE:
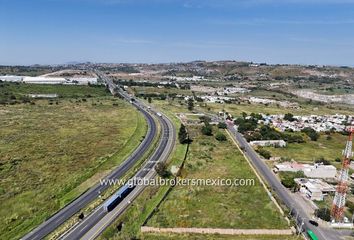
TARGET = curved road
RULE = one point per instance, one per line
(76, 205)
(94, 224)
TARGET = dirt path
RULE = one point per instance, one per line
(219, 231)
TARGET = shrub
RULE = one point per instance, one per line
(207, 129)
(264, 153)
(220, 137)
(222, 125)
(323, 213)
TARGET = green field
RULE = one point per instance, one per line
(50, 153)
(16, 92)
(151, 236)
(217, 206)
(313, 150)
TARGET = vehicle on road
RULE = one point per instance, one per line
(116, 198)
(159, 114)
(312, 235)
(313, 223)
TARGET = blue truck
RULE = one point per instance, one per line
(117, 197)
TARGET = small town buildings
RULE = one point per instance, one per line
(314, 189)
(268, 143)
(311, 171)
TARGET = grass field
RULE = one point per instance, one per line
(152, 236)
(18, 91)
(51, 153)
(313, 150)
(217, 206)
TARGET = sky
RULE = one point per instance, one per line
(162, 31)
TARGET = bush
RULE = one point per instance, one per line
(324, 214)
(289, 117)
(287, 178)
(207, 129)
(220, 137)
(313, 135)
(161, 169)
(264, 153)
(222, 125)
(323, 161)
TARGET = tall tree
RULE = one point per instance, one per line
(190, 104)
(182, 135)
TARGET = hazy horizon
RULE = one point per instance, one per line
(49, 32)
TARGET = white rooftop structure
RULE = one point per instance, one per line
(266, 143)
(44, 80)
(11, 78)
(320, 171)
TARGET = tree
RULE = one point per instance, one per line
(323, 213)
(222, 125)
(287, 178)
(183, 135)
(149, 100)
(289, 117)
(313, 135)
(207, 129)
(264, 153)
(190, 104)
(220, 137)
(161, 170)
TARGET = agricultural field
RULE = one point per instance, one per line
(52, 152)
(217, 206)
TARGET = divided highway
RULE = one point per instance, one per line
(94, 224)
(94, 192)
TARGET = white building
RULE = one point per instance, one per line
(54, 95)
(83, 80)
(267, 143)
(45, 80)
(314, 189)
(11, 78)
(320, 171)
(310, 171)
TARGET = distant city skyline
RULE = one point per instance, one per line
(318, 32)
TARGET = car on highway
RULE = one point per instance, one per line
(313, 223)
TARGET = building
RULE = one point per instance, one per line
(54, 95)
(267, 143)
(310, 171)
(289, 167)
(44, 80)
(11, 78)
(314, 189)
(320, 171)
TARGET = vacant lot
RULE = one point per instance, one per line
(217, 206)
(17, 92)
(325, 147)
(48, 150)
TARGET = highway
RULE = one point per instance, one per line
(94, 224)
(94, 192)
(296, 210)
